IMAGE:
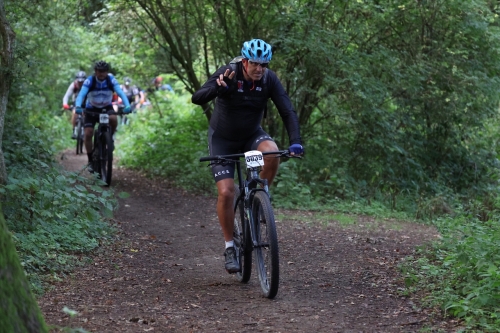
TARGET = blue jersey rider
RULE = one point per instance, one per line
(99, 90)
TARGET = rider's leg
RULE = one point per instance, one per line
(271, 163)
(226, 220)
(73, 122)
(73, 118)
(225, 188)
(89, 133)
(113, 122)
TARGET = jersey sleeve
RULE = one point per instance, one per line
(121, 94)
(81, 95)
(285, 108)
(208, 91)
(69, 92)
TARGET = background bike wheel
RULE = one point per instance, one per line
(106, 158)
(79, 138)
(242, 240)
(266, 254)
(96, 161)
(96, 164)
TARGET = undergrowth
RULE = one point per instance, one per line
(461, 271)
(55, 217)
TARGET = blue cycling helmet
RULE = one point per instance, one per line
(257, 50)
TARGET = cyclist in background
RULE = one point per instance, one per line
(72, 92)
(98, 89)
(134, 93)
(235, 126)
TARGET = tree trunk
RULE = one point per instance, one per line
(19, 312)
(7, 37)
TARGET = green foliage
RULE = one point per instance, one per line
(54, 216)
(166, 140)
(398, 104)
(461, 271)
(19, 310)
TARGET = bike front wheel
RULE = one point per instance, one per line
(106, 158)
(266, 250)
(242, 240)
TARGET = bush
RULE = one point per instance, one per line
(55, 216)
(461, 271)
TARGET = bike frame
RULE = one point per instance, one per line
(254, 220)
(101, 129)
(248, 186)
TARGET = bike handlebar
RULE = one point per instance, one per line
(280, 153)
(119, 112)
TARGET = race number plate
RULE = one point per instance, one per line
(104, 118)
(254, 159)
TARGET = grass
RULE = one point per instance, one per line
(326, 219)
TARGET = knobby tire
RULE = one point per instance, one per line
(95, 156)
(242, 240)
(106, 157)
(266, 253)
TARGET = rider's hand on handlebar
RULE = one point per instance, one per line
(66, 107)
(296, 149)
(79, 110)
(126, 109)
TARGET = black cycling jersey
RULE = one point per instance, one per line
(238, 112)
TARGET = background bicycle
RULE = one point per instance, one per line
(103, 146)
(78, 131)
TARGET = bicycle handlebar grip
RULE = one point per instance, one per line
(206, 158)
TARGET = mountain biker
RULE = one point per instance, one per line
(99, 90)
(73, 90)
(235, 126)
(133, 92)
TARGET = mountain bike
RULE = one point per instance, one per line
(103, 146)
(254, 224)
(78, 131)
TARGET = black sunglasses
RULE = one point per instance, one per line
(263, 65)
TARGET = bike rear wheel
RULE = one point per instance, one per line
(266, 251)
(242, 240)
(106, 158)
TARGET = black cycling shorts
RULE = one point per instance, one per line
(222, 146)
(93, 118)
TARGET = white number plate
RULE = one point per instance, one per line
(254, 159)
(104, 118)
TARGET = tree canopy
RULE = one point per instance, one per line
(397, 100)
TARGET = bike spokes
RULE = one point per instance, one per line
(242, 240)
(266, 250)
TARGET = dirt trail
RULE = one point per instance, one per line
(165, 273)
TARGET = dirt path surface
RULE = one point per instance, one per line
(165, 272)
